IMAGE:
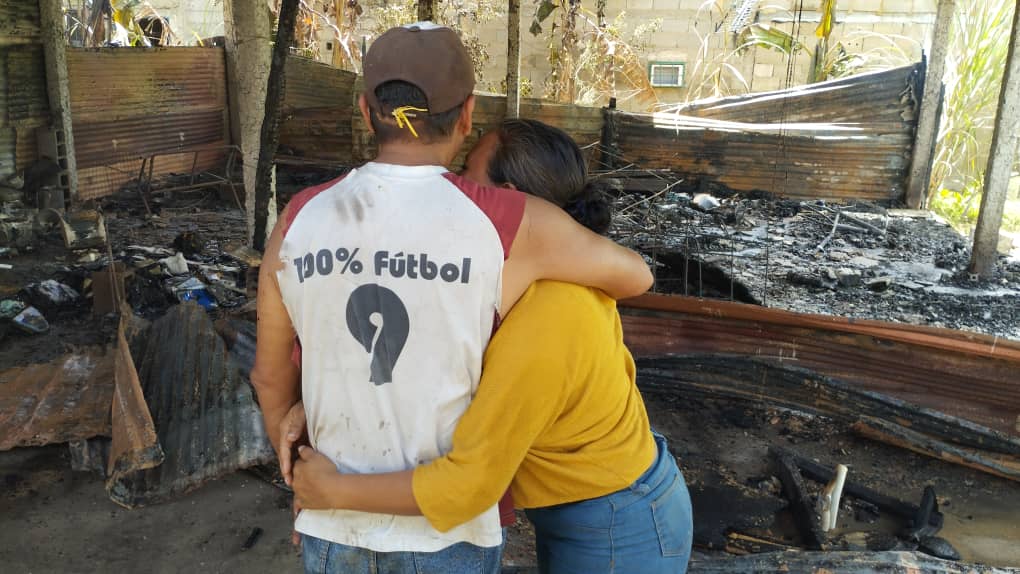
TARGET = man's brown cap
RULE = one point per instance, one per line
(429, 56)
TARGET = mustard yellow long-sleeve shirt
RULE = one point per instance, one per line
(557, 415)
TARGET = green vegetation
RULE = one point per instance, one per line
(974, 69)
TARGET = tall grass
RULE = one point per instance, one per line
(974, 68)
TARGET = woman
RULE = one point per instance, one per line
(557, 415)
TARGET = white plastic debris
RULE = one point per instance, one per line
(706, 202)
(829, 500)
(175, 265)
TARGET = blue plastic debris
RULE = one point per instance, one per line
(32, 321)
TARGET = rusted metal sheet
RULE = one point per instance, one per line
(19, 18)
(848, 138)
(317, 111)
(966, 375)
(127, 104)
(65, 399)
(582, 123)
(134, 446)
(202, 406)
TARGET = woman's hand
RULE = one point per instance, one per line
(315, 480)
(293, 433)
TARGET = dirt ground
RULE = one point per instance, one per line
(56, 520)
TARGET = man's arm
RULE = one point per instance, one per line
(275, 377)
(551, 245)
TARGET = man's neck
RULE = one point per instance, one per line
(414, 154)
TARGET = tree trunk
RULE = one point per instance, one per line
(427, 10)
(270, 137)
(1000, 162)
(248, 29)
(928, 120)
(513, 59)
(54, 46)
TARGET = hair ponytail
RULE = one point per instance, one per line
(591, 208)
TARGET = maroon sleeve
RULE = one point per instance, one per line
(302, 198)
(507, 517)
(295, 353)
(504, 207)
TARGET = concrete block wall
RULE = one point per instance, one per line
(890, 29)
(191, 19)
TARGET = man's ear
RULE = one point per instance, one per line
(366, 113)
(508, 185)
(466, 111)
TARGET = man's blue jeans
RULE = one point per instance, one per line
(324, 557)
(645, 528)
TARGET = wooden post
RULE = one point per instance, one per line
(270, 137)
(928, 119)
(513, 59)
(1000, 161)
(248, 28)
(51, 15)
(427, 10)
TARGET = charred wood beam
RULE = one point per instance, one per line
(844, 562)
(800, 502)
(270, 135)
(1004, 466)
(761, 380)
(823, 474)
(964, 375)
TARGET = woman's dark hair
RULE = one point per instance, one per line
(543, 161)
(396, 93)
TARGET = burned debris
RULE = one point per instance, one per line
(806, 340)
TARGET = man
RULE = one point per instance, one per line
(392, 279)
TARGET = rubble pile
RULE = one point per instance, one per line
(859, 260)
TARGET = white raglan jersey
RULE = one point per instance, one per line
(392, 280)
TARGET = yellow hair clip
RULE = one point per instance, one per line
(402, 115)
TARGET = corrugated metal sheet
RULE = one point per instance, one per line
(315, 122)
(849, 138)
(24, 104)
(134, 446)
(129, 103)
(19, 18)
(8, 145)
(584, 124)
(66, 399)
(201, 404)
(966, 375)
(27, 102)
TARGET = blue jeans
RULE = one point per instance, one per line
(645, 528)
(325, 557)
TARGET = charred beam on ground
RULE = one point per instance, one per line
(1004, 466)
(800, 502)
(821, 473)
